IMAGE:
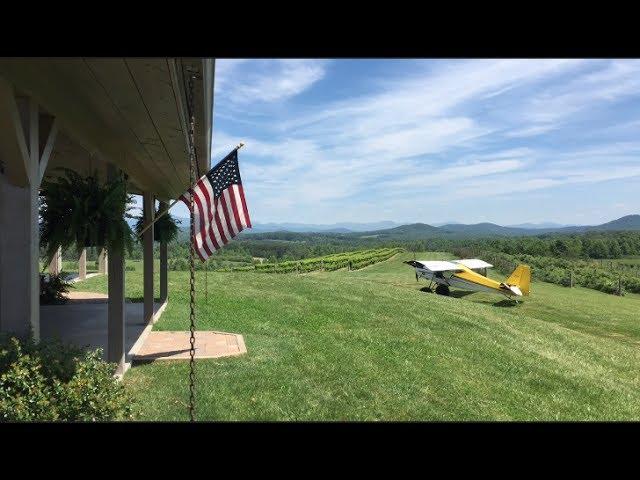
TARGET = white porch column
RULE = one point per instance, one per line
(16, 314)
(102, 262)
(27, 136)
(147, 256)
(82, 265)
(116, 311)
(164, 292)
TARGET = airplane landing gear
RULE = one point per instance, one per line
(442, 290)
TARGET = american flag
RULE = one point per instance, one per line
(220, 208)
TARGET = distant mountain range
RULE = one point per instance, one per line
(421, 230)
(393, 230)
(540, 225)
(344, 227)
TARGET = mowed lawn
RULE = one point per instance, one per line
(370, 345)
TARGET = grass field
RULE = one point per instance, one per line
(370, 345)
(72, 266)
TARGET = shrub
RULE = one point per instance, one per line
(53, 381)
(179, 264)
(52, 289)
(557, 270)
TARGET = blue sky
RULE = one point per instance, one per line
(505, 141)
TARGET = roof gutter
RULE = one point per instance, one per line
(208, 77)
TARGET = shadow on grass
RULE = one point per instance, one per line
(506, 303)
(141, 299)
(460, 293)
(147, 359)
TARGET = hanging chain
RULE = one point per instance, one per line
(192, 278)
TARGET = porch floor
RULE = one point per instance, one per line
(82, 321)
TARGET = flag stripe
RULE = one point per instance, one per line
(244, 206)
(214, 234)
(221, 234)
(243, 220)
(196, 224)
(207, 246)
(185, 198)
(200, 226)
(207, 194)
(234, 208)
(223, 219)
(200, 254)
(229, 208)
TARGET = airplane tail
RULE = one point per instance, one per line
(521, 278)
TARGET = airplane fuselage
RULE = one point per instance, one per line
(467, 279)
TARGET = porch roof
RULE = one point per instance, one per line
(128, 112)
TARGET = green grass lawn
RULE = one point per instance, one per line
(370, 345)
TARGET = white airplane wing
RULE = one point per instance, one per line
(439, 265)
(473, 263)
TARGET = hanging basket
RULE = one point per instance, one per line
(84, 212)
(165, 229)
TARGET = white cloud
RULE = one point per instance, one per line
(274, 80)
(430, 95)
(530, 131)
(612, 81)
(554, 174)
(419, 133)
(451, 178)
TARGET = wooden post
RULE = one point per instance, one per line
(82, 265)
(571, 279)
(619, 286)
(102, 262)
(147, 257)
(116, 311)
(164, 277)
(55, 266)
(164, 262)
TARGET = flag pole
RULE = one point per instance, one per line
(238, 147)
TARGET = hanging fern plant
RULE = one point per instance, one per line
(164, 230)
(82, 211)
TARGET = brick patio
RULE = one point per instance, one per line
(175, 346)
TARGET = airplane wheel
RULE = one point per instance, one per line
(442, 290)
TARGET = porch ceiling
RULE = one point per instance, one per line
(127, 111)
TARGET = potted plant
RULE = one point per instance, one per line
(53, 289)
(165, 229)
(85, 212)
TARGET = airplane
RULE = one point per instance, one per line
(461, 274)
